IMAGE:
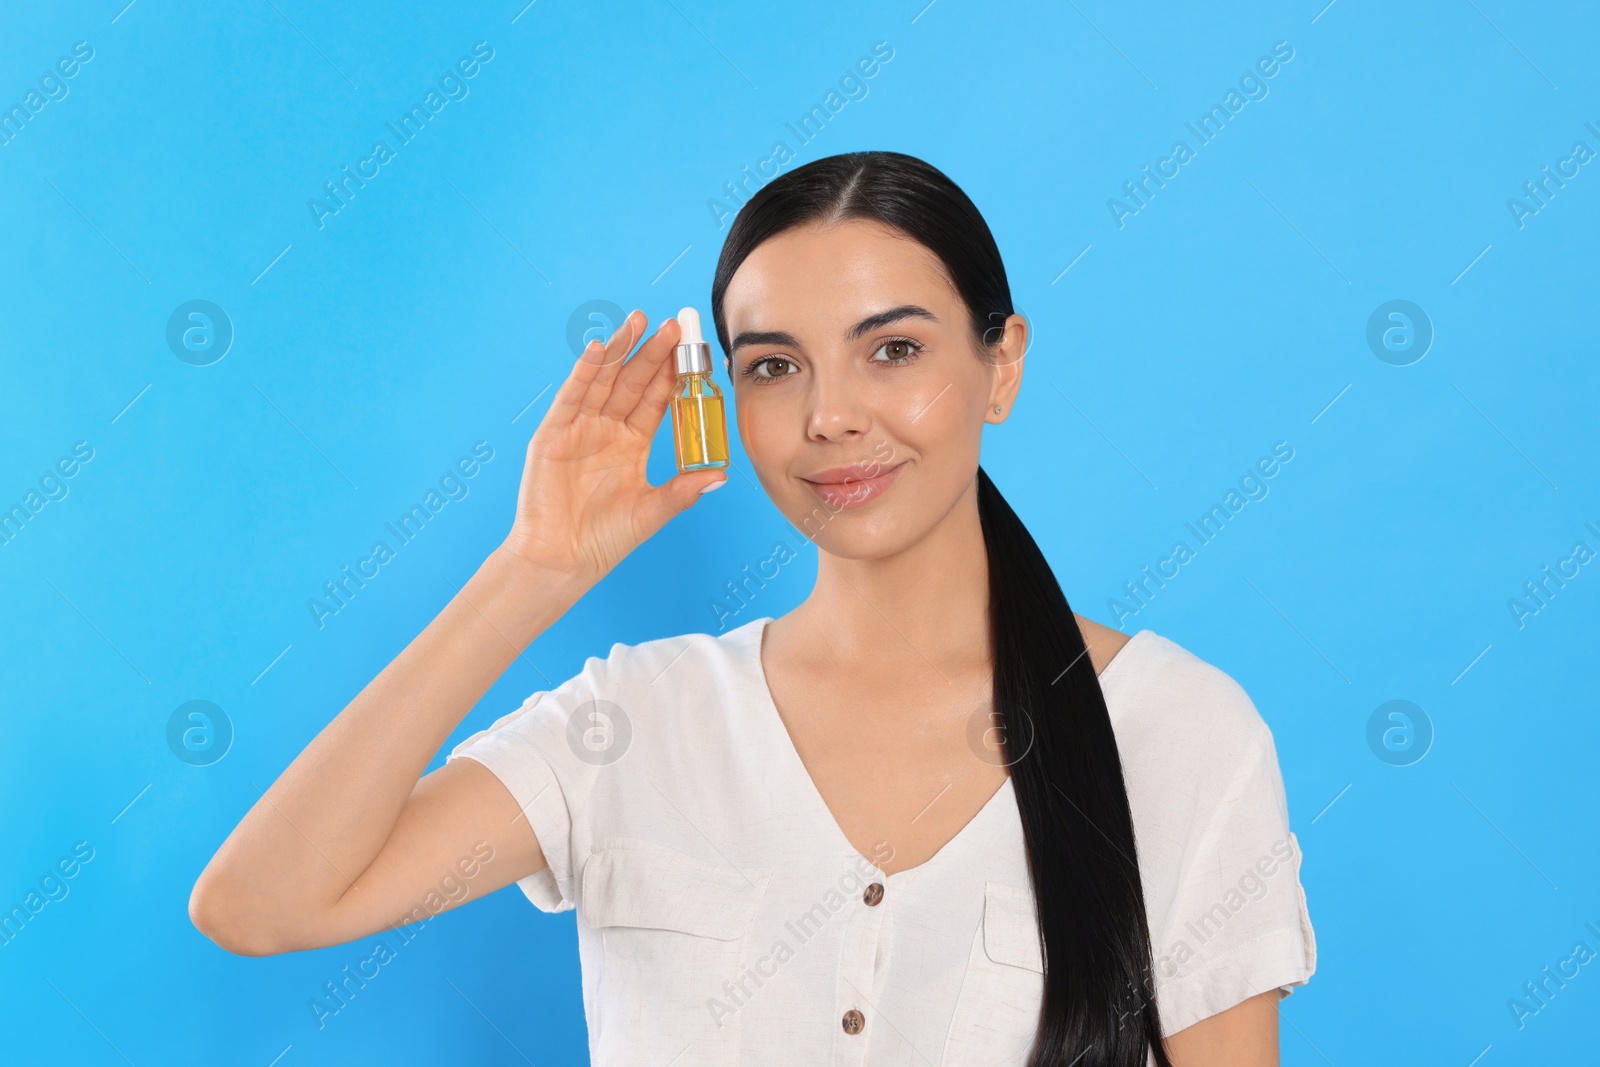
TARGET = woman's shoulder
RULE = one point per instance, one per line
(1161, 694)
(642, 680)
(675, 658)
(1104, 643)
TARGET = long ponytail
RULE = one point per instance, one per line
(1098, 1006)
(1098, 1002)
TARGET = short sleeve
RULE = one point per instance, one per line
(534, 751)
(1239, 925)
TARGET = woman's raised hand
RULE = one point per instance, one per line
(585, 502)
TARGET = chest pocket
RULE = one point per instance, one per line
(997, 1010)
(642, 884)
(674, 931)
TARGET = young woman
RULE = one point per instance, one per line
(930, 816)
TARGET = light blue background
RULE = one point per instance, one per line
(1228, 314)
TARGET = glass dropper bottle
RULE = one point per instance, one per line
(699, 427)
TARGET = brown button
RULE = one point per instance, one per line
(854, 1021)
(873, 894)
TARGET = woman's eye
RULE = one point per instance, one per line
(899, 349)
(755, 368)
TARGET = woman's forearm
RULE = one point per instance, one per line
(283, 878)
(320, 825)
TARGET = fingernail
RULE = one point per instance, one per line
(713, 485)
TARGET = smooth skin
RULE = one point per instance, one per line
(888, 655)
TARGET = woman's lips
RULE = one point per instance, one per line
(855, 492)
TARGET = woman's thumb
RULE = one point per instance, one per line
(682, 490)
(702, 483)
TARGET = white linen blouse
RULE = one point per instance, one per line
(724, 918)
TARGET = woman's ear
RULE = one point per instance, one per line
(1005, 358)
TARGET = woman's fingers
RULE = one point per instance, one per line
(616, 351)
(564, 405)
(589, 367)
(651, 407)
(641, 370)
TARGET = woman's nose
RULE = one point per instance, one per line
(837, 410)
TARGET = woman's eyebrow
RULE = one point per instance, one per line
(884, 318)
(865, 326)
(764, 337)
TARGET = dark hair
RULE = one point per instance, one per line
(1098, 1007)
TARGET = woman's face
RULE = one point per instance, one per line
(850, 346)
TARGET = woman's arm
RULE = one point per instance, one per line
(1246, 1035)
(348, 840)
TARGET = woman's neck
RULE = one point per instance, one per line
(927, 605)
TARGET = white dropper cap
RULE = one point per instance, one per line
(693, 355)
(689, 321)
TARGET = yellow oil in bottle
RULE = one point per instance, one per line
(699, 426)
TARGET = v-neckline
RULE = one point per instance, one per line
(758, 672)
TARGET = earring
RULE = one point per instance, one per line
(997, 409)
